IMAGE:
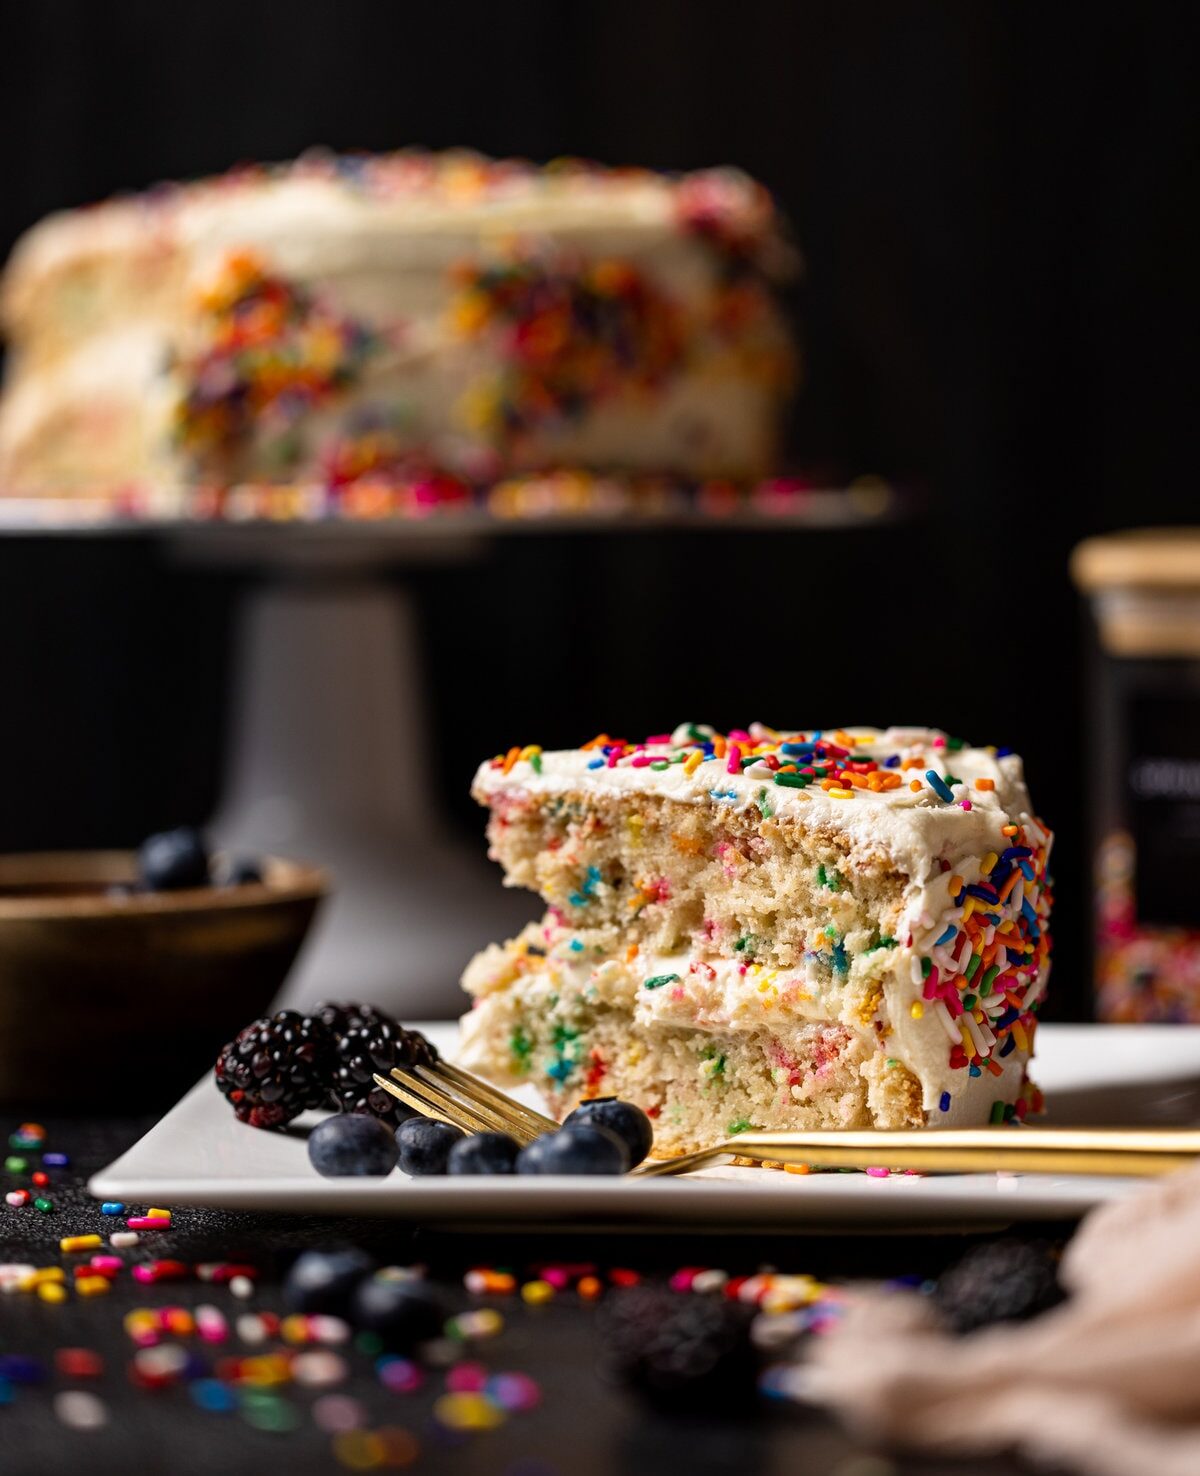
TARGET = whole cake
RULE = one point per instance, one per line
(342, 317)
(768, 929)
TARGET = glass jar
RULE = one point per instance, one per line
(1144, 594)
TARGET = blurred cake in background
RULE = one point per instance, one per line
(342, 317)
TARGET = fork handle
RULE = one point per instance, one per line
(1132, 1152)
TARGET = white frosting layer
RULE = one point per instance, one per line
(427, 206)
(913, 828)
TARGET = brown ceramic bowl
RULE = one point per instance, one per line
(125, 1000)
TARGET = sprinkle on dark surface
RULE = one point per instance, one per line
(183, 1375)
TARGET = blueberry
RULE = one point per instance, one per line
(242, 871)
(352, 1144)
(321, 1281)
(425, 1145)
(483, 1153)
(400, 1312)
(629, 1123)
(173, 860)
(582, 1148)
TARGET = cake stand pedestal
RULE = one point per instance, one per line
(327, 757)
(327, 753)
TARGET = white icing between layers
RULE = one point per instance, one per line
(721, 996)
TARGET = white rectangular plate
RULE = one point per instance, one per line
(199, 1154)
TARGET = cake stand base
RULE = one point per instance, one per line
(328, 760)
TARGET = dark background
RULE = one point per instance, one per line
(993, 202)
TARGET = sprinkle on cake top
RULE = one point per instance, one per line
(914, 791)
(845, 764)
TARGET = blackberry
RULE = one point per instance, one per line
(365, 1041)
(684, 1353)
(1002, 1281)
(276, 1068)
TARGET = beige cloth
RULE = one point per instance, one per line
(1108, 1383)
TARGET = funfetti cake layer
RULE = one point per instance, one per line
(840, 928)
(366, 317)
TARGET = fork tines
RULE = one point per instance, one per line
(452, 1095)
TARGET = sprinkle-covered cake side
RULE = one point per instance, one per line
(469, 316)
(853, 922)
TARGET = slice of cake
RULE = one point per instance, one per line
(768, 929)
(383, 316)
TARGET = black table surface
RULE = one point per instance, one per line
(583, 1424)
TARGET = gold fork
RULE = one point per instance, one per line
(1127, 1151)
(453, 1095)
(450, 1094)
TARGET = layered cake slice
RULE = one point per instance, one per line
(767, 929)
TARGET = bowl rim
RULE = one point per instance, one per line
(288, 881)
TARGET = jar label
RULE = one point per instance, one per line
(1163, 804)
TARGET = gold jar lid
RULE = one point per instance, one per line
(1146, 558)
(1145, 589)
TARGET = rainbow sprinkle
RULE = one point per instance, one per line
(272, 353)
(568, 333)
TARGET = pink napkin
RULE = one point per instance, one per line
(1107, 1383)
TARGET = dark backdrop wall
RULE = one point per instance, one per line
(993, 203)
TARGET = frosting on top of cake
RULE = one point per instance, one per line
(918, 794)
(321, 196)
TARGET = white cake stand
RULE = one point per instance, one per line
(327, 754)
